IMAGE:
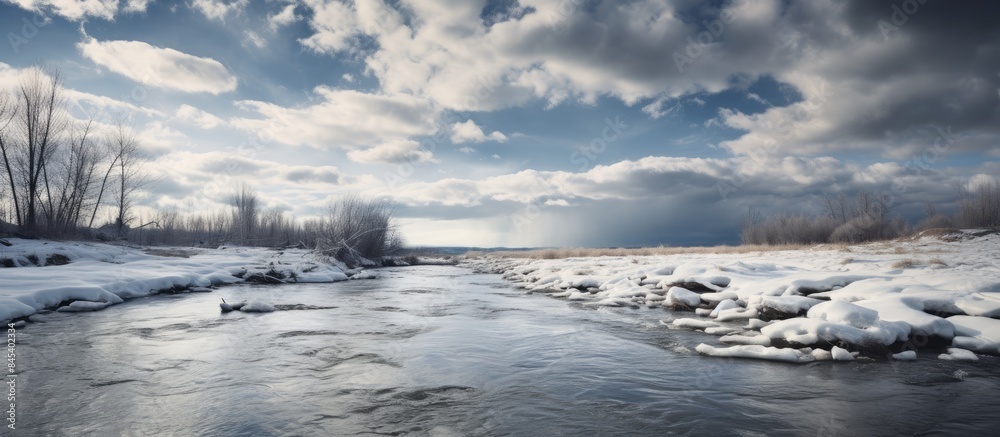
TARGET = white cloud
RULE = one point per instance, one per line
(345, 119)
(469, 131)
(198, 117)
(394, 152)
(757, 98)
(82, 105)
(218, 9)
(160, 67)
(285, 17)
(254, 39)
(334, 23)
(712, 180)
(72, 10)
(445, 53)
(466, 149)
(135, 6)
(979, 181)
(658, 108)
(348, 77)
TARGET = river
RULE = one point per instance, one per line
(437, 350)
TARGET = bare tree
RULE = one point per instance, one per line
(128, 172)
(246, 209)
(8, 110)
(73, 176)
(40, 121)
(980, 206)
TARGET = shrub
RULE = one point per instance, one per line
(357, 228)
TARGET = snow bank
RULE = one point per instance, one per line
(99, 275)
(808, 297)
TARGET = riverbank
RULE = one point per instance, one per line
(935, 293)
(42, 275)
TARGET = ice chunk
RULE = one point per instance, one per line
(757, 352)
(694, 323)
(784, 304)
(684, 296)
(724, 305)
(905, 356)
(841, 354)
(720, 330)
(844, 313)
(985, 304)
(365, 274)
(981, 334)
(958, 354)
(811, 331)
(83, 305)
(757, 323)
(257, 306)
(760, 340)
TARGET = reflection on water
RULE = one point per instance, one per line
(437, 351)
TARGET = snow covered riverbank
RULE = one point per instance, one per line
(880, 300)
(82, 276)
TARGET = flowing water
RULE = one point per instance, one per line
(436, 350)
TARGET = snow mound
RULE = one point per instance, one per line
(694, 323)
(83, 305)
(684, 296)
(841, 354)
(759, 340)
(905, 356)
(957, 354)
(757, 352)
(980, 334)
(816, 297)
(365, 274)
(985, 304)
(724, 305)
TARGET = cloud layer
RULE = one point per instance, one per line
(160, 67)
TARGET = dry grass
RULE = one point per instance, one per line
(937, 262)
(907, 263)
(650, 251)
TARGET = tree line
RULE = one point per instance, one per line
(62, 177)
(867, 218)
(60, 172)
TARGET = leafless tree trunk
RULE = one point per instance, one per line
(245, 213)
(8, 110)
(129, 174)
(41, 123)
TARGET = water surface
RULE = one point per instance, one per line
(436, 350)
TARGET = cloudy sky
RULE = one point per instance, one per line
(536, 122)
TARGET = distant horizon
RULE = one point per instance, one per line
(535, 123)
